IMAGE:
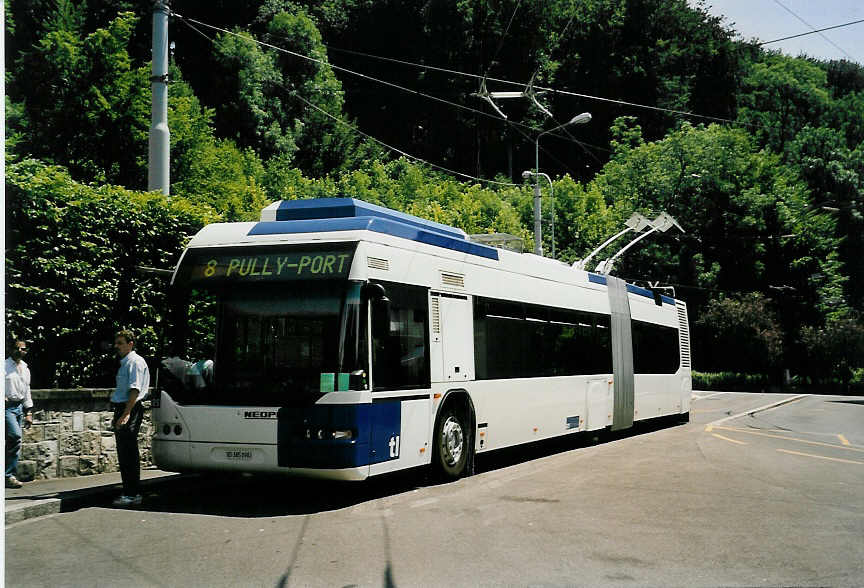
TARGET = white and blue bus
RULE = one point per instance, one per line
(339, 339)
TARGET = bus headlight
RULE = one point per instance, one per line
(345, 434)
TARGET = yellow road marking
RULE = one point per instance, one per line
(790, 439)
(821, 457)
(728, 439)
(709, 428)
(843, 439)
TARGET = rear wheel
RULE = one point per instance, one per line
(451, 444)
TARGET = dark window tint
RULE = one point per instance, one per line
(399, 358)
(515, 340)
(655, 348)
(263, 344)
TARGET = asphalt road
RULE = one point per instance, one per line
(776, 498)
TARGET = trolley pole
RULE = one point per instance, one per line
(160, 137)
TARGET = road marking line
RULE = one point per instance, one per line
(821, 457)
(728, 439)
(843, 439)
(423, 502)
(755, 410)
(792, 439)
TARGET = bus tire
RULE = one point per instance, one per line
(451, 443)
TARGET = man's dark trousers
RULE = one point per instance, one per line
(127, 447)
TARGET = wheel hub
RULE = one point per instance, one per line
(452, 441)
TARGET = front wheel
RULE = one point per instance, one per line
(451, 445)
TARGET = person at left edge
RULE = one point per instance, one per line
(19, 406)
(133, 381)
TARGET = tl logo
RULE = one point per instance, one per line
(394, 446)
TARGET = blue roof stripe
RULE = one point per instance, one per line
(640, 291)
(598, 279)
(375, 224)
(325, 208)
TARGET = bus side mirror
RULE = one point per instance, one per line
(380, 304)
(380, 318)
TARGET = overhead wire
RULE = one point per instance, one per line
(196, 29)
(515, 125)
(548, 89)
(793, 13)
(341, 121)
(384, 82)
(501, 42)
(845, 24)
(396, 149)
(534, 75)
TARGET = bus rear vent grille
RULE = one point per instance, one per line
(451, 279)
(683, 334)
(379, 264)
(435, 303)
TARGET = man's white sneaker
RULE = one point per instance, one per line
(127, 500)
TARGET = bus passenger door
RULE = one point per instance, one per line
(452, 336)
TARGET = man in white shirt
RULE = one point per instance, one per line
(133, 381)
(19, 406)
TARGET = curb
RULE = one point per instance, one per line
(73, 500)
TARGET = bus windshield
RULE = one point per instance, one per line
(266, 344)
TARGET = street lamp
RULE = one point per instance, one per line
(579, 119)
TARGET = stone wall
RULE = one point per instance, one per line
(71, 435)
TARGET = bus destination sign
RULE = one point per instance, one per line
(252, 265)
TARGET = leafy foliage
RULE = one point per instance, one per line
(773, 206)
(834, 351)
(71, 255)
(743, 329)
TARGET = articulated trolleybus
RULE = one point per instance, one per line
(339, 339)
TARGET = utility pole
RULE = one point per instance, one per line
(158, 178)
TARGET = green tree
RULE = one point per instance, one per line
(780, 96)
(835, 176)
(740, 332)
(834, 351)
(84, 104)
(226, 178)
(263, 110)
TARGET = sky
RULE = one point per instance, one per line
(768, 20)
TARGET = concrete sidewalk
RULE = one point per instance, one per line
(43, 497)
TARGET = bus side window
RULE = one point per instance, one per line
(400, 358)
(655, 348)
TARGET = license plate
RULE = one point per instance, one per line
(238, 454)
